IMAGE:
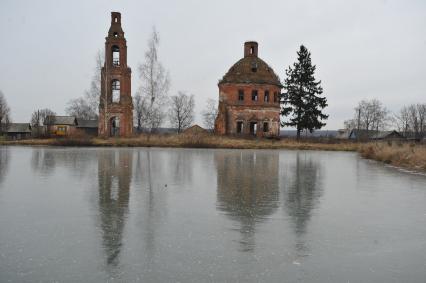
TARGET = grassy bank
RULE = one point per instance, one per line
(193, 141)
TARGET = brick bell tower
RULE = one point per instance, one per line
(115, 106)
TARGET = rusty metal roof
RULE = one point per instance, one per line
(251, 69)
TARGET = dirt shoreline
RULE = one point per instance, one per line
(405, 155)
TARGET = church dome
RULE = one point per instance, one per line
(251, 69)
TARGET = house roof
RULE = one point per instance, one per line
(384, 134)
(19, 128)
(362, 134)
(251, 69)
(60, 120)
(195, 129)
(343, 134)
(83, 123)
(371, 134)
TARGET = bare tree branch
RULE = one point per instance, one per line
(210, 113)
(4, 114)
(87, 107)
(181, 112)
(155, 83)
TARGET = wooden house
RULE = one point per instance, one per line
(59, 126)
(18, 131)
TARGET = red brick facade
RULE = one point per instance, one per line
(116, 106)
(249, 98)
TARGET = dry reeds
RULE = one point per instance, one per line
(408, 155)
(194, 140)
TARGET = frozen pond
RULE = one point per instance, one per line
(199, 215)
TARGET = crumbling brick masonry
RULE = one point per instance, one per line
(249, 97)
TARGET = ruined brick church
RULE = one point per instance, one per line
(115, 105)
(249, 97)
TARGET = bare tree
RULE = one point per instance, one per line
(41, 117)
(371, 115)
(411, 121)
(350, 124)
(181, 112)
(381, 117)
(402, 121)
(81, 108)
(93, 94)
(414, 120)
(421, 112)
(364, 115)
(155, 83)
(4, 114)
(210, 113)
(140, 105)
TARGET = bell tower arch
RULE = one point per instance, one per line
(116, 98)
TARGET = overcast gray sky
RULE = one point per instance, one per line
(362, 49)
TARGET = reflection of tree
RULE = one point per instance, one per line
(302, 192)
(43, 160)
(114, 177)
(46, 160)
(182, 162)
(155, 177)
(4, 162)
(247, 189)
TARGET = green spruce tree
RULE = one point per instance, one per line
(302, 101)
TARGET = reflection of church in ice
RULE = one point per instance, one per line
(247, 189)
(4, 162)
(114, 177)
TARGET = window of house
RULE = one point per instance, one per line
(265, 127)
(266, 97)
(115, 91)
(241, 95)
(240, 127)
(254, 96)
(115, 56)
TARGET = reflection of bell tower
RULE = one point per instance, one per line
(115, 106)
(114, 178)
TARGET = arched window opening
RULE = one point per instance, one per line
(115, 56)
(116, 91)
(253, 128)
(114, 126)
(240, 94)
(266, 97)
(254, 95)
(115, 19)
(115, 34)
(240, 127)
(265, 127)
